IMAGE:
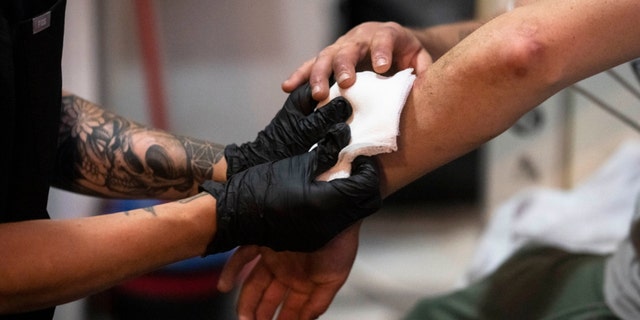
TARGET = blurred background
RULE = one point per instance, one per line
(212, 69)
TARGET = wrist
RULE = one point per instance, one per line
(204, 220)
(220, 170)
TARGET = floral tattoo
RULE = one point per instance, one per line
(103, 154)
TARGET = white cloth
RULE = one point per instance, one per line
(594, 217)
(377, 102)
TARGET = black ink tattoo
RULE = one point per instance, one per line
(103, 154)
(218, 156)
(202, 156)
(187, 200)
(151, 210)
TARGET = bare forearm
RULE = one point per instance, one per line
(441, 38)
(47, 262)
(103, 154)
(483, 85)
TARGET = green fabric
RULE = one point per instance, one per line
(536, 283)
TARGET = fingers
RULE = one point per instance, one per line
(292, 306)
(316, 72)
(300, 100)
(367, 168)
(252, 291)
(329, 147)
(271, 299)
(364, 178)
(385, 44)
(235, 265)
(363, 186)
(316, 125)
(422, 61)
(337, 110)
(299, 77)
(318, 303)
(344, 63)
(382, 46)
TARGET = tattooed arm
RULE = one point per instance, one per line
(47, 262)
(103, 154)
(100, 153)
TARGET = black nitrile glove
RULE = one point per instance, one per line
(294, 129)
(280, 204)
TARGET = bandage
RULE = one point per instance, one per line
(377, 103)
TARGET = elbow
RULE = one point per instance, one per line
(526, 56)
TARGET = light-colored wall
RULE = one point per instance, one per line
(223, 60)
(80, 73)
(490, 8)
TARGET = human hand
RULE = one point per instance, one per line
(294, 130)
(301, 284)
(281, 205)
(375, 45)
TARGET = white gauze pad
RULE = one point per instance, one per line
(377, 102)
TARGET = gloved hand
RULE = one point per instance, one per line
(294, 129)
(281, 205)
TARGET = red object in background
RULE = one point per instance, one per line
(152, 63)
(173, 286)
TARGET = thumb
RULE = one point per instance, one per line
(363, 186)
(329, 147)
(365, 172)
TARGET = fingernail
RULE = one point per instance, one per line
(315, 89)
(381, 62)
(343, 77)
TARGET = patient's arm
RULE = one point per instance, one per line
(511, 64)
(477, 90)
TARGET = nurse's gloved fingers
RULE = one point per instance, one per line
(302, 103)
(329, 147)
(316, 125)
